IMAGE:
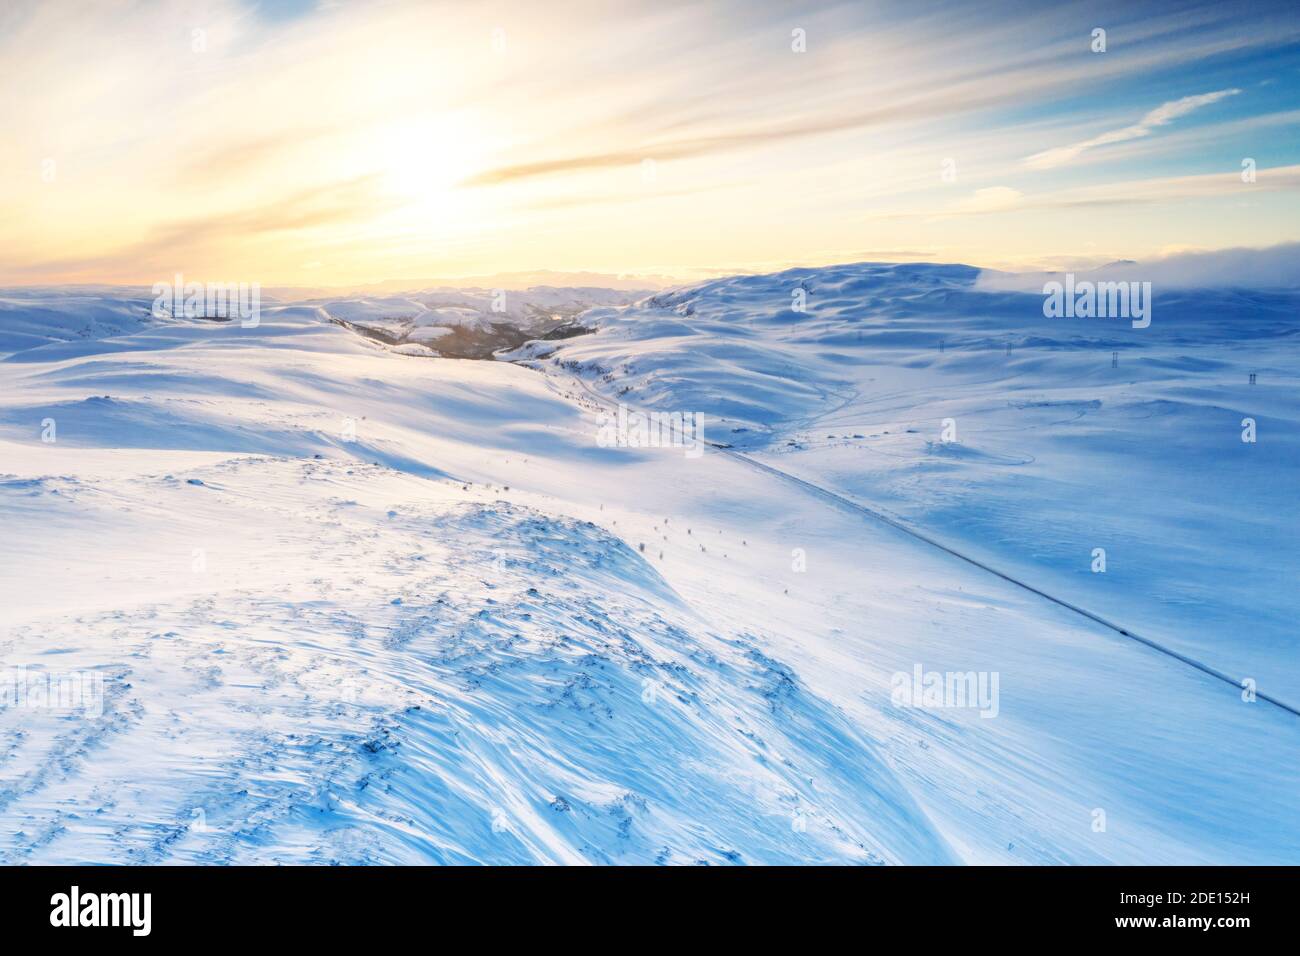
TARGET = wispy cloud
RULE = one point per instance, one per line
(1132, 193)
(340, 142)
(314, 208)
(992, 199)
(1162, 115)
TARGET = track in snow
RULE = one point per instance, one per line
(839, 499)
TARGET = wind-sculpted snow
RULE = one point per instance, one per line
(602, 723)
(509, 688)
(341, 603)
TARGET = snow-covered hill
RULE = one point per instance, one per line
(330, 602)
(1070, 434)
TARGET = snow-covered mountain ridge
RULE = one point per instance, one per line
(351, 605)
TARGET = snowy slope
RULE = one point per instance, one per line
(1057, 453)
(349, 605)
(30, 318)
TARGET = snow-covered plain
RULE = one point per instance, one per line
(353, 603)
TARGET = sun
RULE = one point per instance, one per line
(422, 159)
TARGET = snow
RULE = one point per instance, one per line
(1057, 453)
(353, 603)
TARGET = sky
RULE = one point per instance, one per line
(316, 143)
